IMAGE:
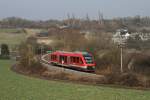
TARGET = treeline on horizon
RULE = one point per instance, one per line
(134, 24)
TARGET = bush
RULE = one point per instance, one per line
(109, 62)
(126, 79)
(36, 67)
(4, 51)
(141, 64)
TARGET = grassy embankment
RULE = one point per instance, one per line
(18, 87)
(11, 36)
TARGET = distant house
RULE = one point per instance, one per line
(53, 30)
(144, 36)
(43, 40)
(42, 34)
(64, 27)
(141, 36)
(120, 36)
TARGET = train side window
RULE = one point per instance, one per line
(60, 59)
(73, 60)
(51, 57)
(77, 59)
(54, 57)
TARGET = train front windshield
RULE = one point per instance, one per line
(88, 58)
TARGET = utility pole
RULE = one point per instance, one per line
(121, 45)
(121, 56)
(121, 59)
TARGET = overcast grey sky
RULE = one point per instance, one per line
(58, 9)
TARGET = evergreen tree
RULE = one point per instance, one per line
(4, 51)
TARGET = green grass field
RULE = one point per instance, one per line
(12, 39)
(18, 87)
(5, 30)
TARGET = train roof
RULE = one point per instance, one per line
(76, 52)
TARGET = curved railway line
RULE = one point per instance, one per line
(45, 63)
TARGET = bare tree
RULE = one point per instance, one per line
(100, 18)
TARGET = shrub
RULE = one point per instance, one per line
(109, 62)
(28, 60)
(141, 64)
(4, 52)
(126, 79)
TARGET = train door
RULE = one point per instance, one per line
(63, 59)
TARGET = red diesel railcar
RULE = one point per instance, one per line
(80, 60)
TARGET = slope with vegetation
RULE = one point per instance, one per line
(18, 87)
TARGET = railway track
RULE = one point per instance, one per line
(45, 63)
